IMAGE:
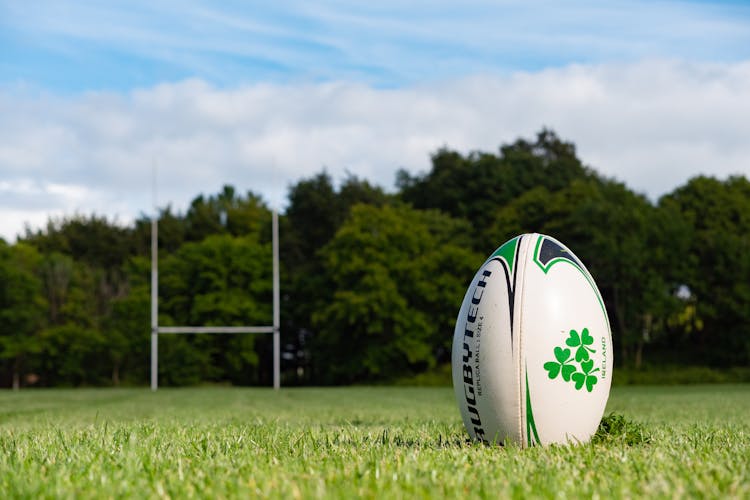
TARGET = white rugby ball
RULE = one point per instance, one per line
(532, 349)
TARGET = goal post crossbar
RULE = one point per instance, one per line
(215, 329)
(156, 329)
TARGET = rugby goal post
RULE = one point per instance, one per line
(156, 329)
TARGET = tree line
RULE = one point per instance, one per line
(372, 280)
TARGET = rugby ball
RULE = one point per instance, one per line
(532, 348)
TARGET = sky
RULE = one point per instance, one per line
(99, 99)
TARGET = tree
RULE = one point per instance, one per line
(718, 280)
(472, 187)
(224, 281)
(316, 211)
(627, 244)
(171, 232)
(127, 327)
(73, 343)
(22, 306)
(94, 240)
(397, 282)
(82, 275)
(225, 213)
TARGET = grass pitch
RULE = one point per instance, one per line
(357, 442)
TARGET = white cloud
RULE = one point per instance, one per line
(652, 124)
(26, 202)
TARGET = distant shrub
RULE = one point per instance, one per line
(678, 375)
(440, 376)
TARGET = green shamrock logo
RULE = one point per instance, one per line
(586, 377)
(582, 342)
(561, 365)
(565, 364)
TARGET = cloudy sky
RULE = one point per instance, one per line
(97, 95)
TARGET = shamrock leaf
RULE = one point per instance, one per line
(553, 368)
(586, 366)
(561, 365)
(574, 340)
(582, 342)
(579, 378)
(590, 382)
(582, 354)
(586, 338)
(567, 371)
(562, 355)
(586, 377)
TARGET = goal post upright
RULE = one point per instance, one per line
(154, 302)
(276, 304)
(275, 329)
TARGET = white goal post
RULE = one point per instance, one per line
(275, 329)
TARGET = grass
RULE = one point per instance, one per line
(648, 374)
(379, 442)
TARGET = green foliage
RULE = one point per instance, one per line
(316, 210)
(127, 329)
(75, 350)
(225, 213)
(718, 279)
(666, 374)
(438, 376)
(93, 240)
(22, 307)
(222, 280)
(372, 281)
(474, 186)
(628, 245)
(392, 282)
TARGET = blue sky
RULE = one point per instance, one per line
(73, 46)
(93, 94)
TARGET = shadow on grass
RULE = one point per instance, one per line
(614, 429)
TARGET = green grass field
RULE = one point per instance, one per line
(356, 442)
